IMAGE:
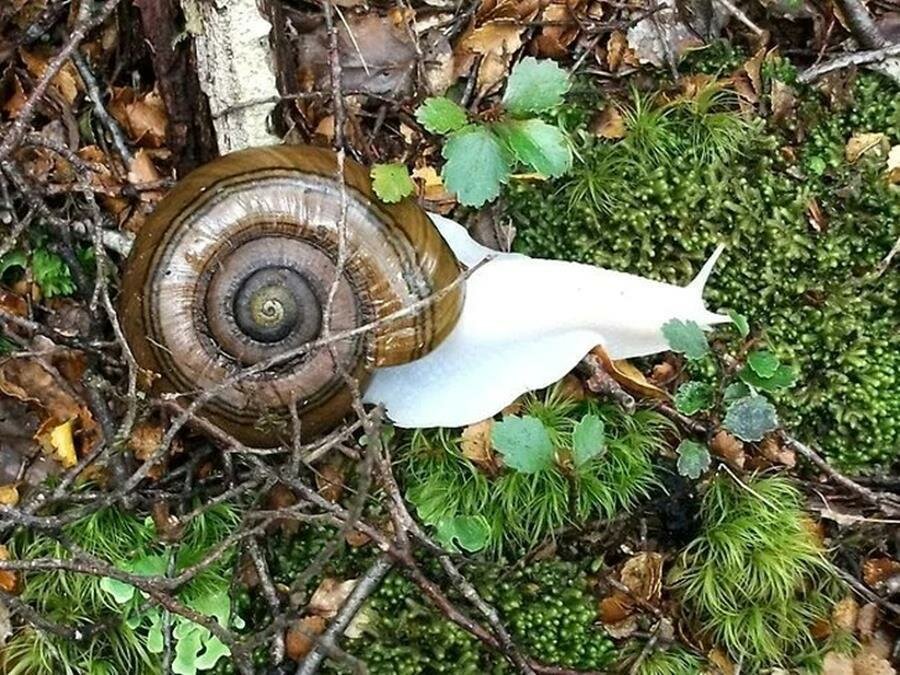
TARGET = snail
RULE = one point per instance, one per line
(237, 264)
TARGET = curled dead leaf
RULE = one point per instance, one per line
(145, 438)
(9, 579)
(329, 596)
(628, 377)
(9, 495)
(772, 449)
(476, 446)
(618, 54)
(300, 637)
(330, 482)
(58, 441)
(608, 123)
(867, 143)
(642, 574)
(66, 82)
(729, 448)
(616, 607)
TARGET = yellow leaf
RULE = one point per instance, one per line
(59, 443)
(9, 495)
(860, 144)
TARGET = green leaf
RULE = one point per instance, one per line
(472, 533)
(431, 505)
(764, 363)
(186, 651)
(15, 258)
(693, 459)
(588, 439)
(751, 418)
(692, 397)
(215, 650)
(51, 273)
(440, 115)
(535, 86)
(391, 182)
(740, 322)
(734, 391)
(477, 164)
(686, 337)
(155, 639)
(524, 442)
(783, 378)
(539, 145)
(121, 592)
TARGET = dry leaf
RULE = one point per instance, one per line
(9, 495)
(623, 629)
(642, 574)
(618, 53)
(720, 661)
(476, 446)
(561, 30)
(729, 448)
(300, 637)
(774, 451)
(9, 579)
(145, 438)
(330, 482)
(58, 441)
(430, 188)
(146, 120)
(627, 376)
(608, 123)
(356, 539)
(753, 68)
(616, 607)
(783, 101)
(329, 597)
(815, 216)
(13, 105)
(861, 144)
(893, 165)
(66, 81)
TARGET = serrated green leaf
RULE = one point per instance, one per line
(391, 182)
(693, 459)
(472, 533)
(783, 378)
(740, 322)
(440, 115)
(588, 439)
(535, 86)
(477, 164)
(764, 363)
(541, 146)
(686, 337)
(692, 397)
(734, 391)
(751, 418)
(524, 443)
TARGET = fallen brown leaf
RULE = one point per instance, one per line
(608, 123)
(9, 579)
(476, 446)
(66, 81)
(300, 637)
(729, 448)
(877, 570)
(642, 574)
(329, 596)
(145, 438)
(618, 53)
(58, 441)
(616, 607)
(627, 376)
(867, 143)
(330, 482)
(9, 495)
(774, 451)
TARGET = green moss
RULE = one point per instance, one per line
(666, 660)
(658, 209)
(546, 607)
(522, 509)
(757, 578)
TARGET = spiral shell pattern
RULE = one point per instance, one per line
(239, 263)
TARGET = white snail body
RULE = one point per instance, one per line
(525, 323)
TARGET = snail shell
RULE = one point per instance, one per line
(236, 265)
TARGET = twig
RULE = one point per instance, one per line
(362, 590)
(93, 91)
(738, 13)
(847, 60)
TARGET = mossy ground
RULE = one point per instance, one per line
(657, 202)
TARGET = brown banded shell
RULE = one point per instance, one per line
(236, 265)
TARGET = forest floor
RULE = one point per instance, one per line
(728, 506)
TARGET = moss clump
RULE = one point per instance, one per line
(657, 202)
(546, 607)
(661, 660)
(756, 579)
(520, 509)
